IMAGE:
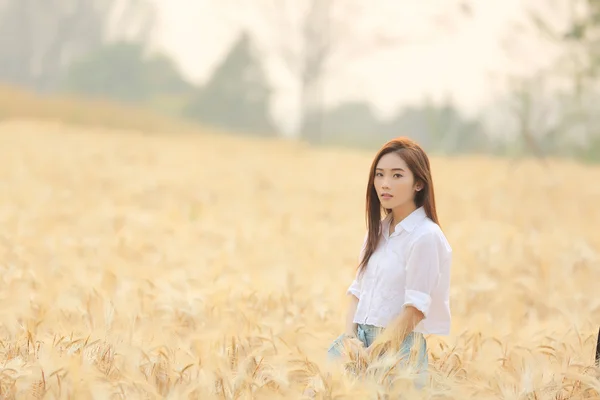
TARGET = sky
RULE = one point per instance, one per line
(464, 57)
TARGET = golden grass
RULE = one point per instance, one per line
(15, 102)
(201, 267)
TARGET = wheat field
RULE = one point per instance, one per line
(194, 266)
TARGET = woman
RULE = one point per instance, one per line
(401, 288)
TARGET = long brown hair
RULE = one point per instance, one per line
(418, 162)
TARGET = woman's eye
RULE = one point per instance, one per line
(397, 176)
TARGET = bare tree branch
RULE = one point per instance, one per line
(572, 27)
(315, 38)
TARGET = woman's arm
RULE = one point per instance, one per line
(354, 293)
(350, 324)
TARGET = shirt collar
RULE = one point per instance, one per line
(411, 221)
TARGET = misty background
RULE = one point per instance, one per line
(503, 77)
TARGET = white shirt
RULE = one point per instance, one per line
(410, 267)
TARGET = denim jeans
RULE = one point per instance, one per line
(367, 334)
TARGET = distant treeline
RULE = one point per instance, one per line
(237, 97)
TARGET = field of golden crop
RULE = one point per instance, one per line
(155, 266)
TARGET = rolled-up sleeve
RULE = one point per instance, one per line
(354, 288)
(422, 272)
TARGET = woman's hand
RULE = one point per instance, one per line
(352, 343)
(377, 349)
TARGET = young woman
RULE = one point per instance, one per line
(401, 288)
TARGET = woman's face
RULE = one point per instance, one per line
(394, 182)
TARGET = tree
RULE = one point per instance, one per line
(566, 90)
(237, 94)
(39, 38)
(438, 127)
(314, 39)
(123, 71)
(352, 123)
